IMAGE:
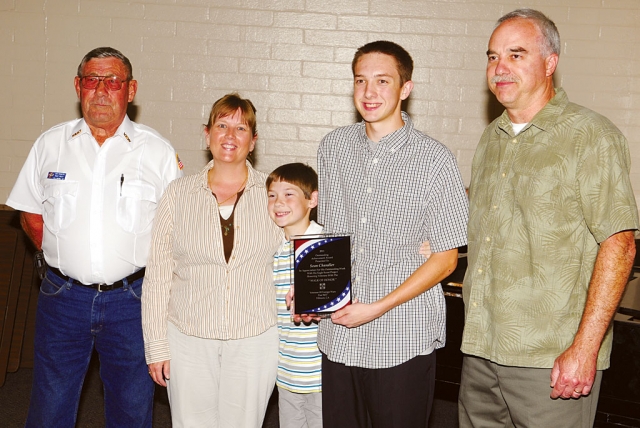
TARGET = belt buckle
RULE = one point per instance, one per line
(99, 287)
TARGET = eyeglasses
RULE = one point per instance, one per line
(111, 83)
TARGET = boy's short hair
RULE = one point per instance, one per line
(298, 174)
(404, 62)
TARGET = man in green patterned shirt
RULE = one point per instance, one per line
(551, 242)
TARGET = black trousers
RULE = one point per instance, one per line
(400, 396)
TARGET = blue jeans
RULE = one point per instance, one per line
(70, 321)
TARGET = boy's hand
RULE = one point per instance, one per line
(356, 314)
(425, 250)
(299, 318)
(289, 297)
(306, 318)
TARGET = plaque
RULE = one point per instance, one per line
(321, 273)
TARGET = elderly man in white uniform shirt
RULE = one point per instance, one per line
(88, 193)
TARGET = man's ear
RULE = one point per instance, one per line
(133, 89)
(76, 84)
(313, 200)
(551, 62)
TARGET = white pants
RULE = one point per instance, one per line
(221, 383)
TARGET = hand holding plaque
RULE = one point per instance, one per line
(322, 273)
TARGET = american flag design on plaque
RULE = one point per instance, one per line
(322, 274)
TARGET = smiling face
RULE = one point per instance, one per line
(289, 208)
(378, 93)
(103, 109)
(517, 72)
(230, 139)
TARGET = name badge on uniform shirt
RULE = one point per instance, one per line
(56, 175)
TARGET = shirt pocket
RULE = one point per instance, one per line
(60, 199)
(136, 206)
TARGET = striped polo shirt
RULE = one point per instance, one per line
(299, 359)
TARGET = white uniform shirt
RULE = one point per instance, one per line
(97, 202)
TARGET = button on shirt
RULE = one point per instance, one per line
(541, 202)
(97, 202)
(391, 199)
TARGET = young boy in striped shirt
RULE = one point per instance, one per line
(293, 196)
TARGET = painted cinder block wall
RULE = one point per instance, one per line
(292, 59)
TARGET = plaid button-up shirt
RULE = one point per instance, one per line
(391, 199)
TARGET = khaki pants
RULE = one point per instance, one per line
(299, 410)
(498, 396)
(221, 383)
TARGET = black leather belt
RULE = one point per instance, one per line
(100, 287)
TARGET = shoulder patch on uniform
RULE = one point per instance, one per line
(180, 165)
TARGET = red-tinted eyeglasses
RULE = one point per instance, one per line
(111, 83)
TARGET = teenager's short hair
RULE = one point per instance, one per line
(298, 174)
(404, 62)
(228, 105)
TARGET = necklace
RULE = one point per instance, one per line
(227, 228)
(234, 194)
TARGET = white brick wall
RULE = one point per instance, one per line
(292, 59)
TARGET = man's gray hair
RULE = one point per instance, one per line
(107, 52)
(547, 28)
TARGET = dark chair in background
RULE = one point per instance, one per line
(18, 295)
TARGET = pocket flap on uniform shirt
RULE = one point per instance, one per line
(56, 189)
(138, 189)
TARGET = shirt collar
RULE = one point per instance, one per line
(395, 140)
(124, 131)
(545, 119)
(203, 178)
(313, 229)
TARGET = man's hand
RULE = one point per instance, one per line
(574, 370)
(33, 225)
(573, 373)
(160, 372)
